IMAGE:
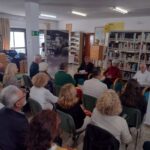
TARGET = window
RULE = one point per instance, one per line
(17, 40)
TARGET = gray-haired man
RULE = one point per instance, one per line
(14, 124)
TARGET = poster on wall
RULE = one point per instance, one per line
(99, 35)
(56, 48)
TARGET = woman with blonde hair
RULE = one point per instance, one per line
(10, 75)
(39, 93)
(106, 116)
(69, 103)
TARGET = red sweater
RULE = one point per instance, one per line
(114, 72)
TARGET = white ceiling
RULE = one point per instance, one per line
(94, 8)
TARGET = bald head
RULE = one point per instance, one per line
(37, 58)
(143, 67)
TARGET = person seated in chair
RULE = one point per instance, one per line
(132, 96)
(40, 94)
(112, 73)
(14, 125)
(94, 87)
(43, 130)
(84, 70)
(143, 76)
(106, 116)
(62, 77)
(34, 68)
(69, 103)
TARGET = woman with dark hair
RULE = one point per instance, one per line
(132, 96)
(43, 130)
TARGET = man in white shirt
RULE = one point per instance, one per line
(143, 76)
(94, 87)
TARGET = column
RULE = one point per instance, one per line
(32, 30)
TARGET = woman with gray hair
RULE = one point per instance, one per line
(106, 116)
(13, 122)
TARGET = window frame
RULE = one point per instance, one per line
(19, 30)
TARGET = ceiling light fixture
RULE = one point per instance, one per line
(48, 16)
(79, 13)
(121, 10)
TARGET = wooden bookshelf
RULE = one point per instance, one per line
(129, 48)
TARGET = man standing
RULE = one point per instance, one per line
(143, 76)
(14, 124)
(34, 68)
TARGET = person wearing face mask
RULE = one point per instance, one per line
(143, 76)
(14, 125)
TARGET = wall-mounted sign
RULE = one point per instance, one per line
(35, 33)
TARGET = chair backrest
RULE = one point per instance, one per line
(146, 93)
(67, 122)
(97, 138)
(89, 102)
(118, 85)
(27, 81)
(133, 116)
(35, 107)
(57, 89)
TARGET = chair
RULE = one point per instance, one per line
(68, 125)
(57, 89)
(118, 85)
(35, 107)
(27, 81)
(133, 119)
(146, 93)
(97, 138)
(89, 102)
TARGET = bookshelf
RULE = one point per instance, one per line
(129, 48)
(75, 47)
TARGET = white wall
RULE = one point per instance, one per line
(131, 23)
(20, 22)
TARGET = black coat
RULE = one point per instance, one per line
(13, 130)
(34, 69)
(88, 68)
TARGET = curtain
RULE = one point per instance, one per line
(5, 33)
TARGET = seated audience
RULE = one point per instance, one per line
(43, 130)
(112, 73)
(34, 68)
(14, 124)
(43, 67)
(10, 77)
(84, 70)
(132, 96)
(1, 72)
(62, 77)
(106, 116)
(143, 76)
(69, 103)
(94, 87)
(40, 94)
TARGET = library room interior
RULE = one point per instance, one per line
(74, 75)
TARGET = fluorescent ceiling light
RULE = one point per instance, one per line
(121, 10)
(48, 16)
(79, 13)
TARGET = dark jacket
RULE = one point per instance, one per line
(76, 112)
(34, 69)
(97, 138)
(88, 68)
(139, 102)
(13, 130)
